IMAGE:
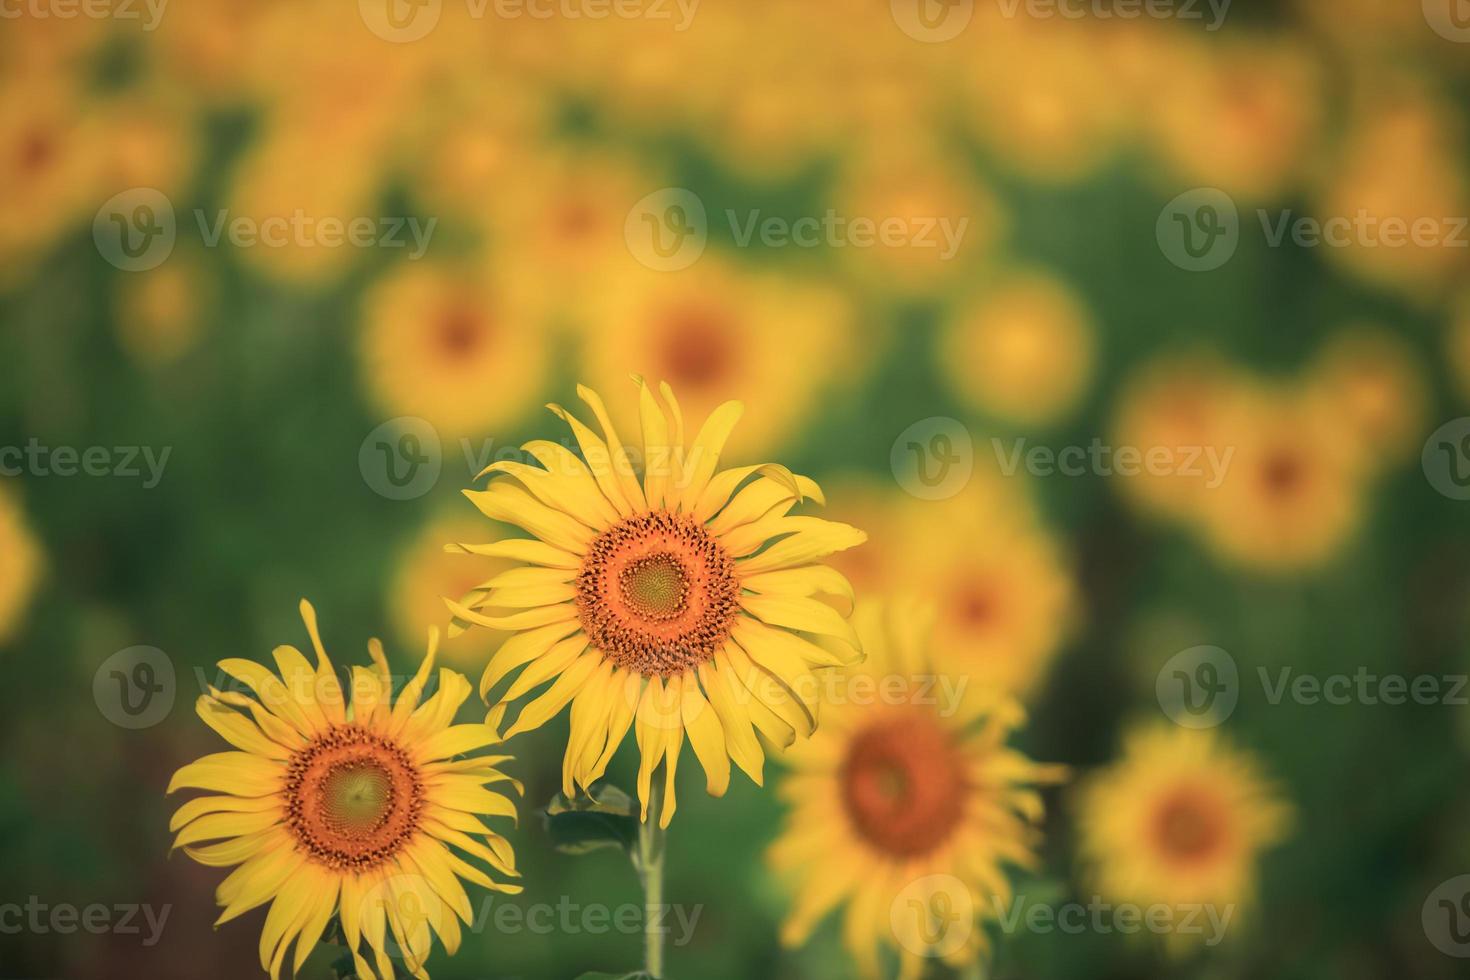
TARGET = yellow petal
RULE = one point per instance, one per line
(706, 737)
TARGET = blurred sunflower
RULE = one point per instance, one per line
(1021, 352)
(426, 571)
(355, 811)
(898, 793)
(1173, 409)
(681, 600)
(147, 140)
(1239, 116)
(1457, 340)
(433, 333)
(160, 311)
(1180, 819)
(715, 331)
(1379, 384)
(1292, 492)
(20, 564)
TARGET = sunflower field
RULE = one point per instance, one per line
(690, 489)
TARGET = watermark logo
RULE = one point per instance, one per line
(135, 688)
(136, 229)
(933, 915)
(401, 458)
(150, 12)
(1446, 917)
(932, 21)
(1197, 919)
(1450, 19)
(400, 21)
(933, 458)
(1199, 230)
(667, 230)
(1446, 459)
(1198, 687)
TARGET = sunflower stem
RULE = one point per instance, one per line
(651, 872)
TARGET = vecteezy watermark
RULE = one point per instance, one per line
(1446, 917)
(1200, 687)
(1450, 19)
(122, 462)
(668, 230)
(1200, 230)
(1446, 459)
(135, 688)
(1209, 463)
(933, 458)
(932, 21)
(1213, 12)
(126, 919)
(136, 230)
(150, 12)
(1203, 919)
(933, 915)
(402, 21)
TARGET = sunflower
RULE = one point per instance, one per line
(357, 811)
(160, 311)
(431, 334)
(1180, 819)
(714, 331)
(20, 564)
(1379, 384)
(682, 601)
(1292, 493)
(907, 798)
(1022, 352)
(427, 570)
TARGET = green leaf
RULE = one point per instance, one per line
(605, 817)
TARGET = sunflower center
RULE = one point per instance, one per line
(1187, 828)
(353, 798)
(904, 785)
(459, 332)
(1282, 473)
(657, 594)
(697, 351)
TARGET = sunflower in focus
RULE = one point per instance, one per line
(679, 603)
(1180, 819)
(20, 564)
(368, 811)
(433, 333)
(1022, 352)
(909, 802)
(714, 331)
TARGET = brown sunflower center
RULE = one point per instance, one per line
(1187, 827)
(697, 348)
(459, 331)
(657, 594)
(353, 798)
(904, 785)
(1282, 473)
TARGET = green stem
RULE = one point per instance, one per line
(651, 872)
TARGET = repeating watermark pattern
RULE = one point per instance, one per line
(1446, 917)
(403, 21)
(137, 229)
(1211, 12)
(1097, 458)
(933, 915)
(1204, 919)
(126, 919)
(150, 12)
(934, 458)
(932, 21)
(669, 229)
(1446, 459)
(1450, 19)
(121, 462)
(135, 688)
(1200, 687)
(1200, 230)
(401, 458)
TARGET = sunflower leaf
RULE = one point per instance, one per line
(605, 817)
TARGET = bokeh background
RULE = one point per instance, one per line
(538, 154)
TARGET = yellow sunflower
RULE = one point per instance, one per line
(1022, 352)
(1180, 819)
(20, 564)
(907, 799)
(1379, 384)
(426, 570)
(368, 811)
(678, 603)
(433, 332)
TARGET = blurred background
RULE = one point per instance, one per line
(278, 279)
